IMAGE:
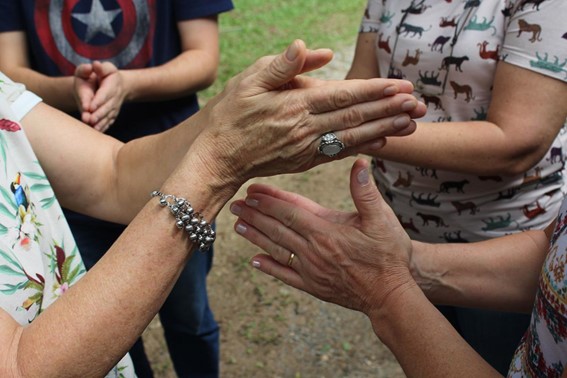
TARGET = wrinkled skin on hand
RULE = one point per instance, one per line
(353, 259)
(269, 120)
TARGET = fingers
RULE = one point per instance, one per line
(377, 219)
(290, 197)
(106, 113)
(338, 95)
(268, 265)
(316, 59)
(84, 71)
(104, 124)
(364, 192)
(265, 231)
(282, 68)
(103, 69)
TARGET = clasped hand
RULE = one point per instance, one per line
(99, 93)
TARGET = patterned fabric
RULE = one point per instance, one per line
(455, 82)
(39, 259)
(543, 350)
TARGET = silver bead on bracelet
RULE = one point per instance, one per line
(199, 230)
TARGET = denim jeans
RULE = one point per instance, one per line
(190, 330)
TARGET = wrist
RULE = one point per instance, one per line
(198, 179)
(426, 272)
(385, 315)
(128, 84)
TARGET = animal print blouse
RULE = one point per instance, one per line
(449, 50)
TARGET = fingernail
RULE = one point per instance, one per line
(401, 122)
(292, 52)
(240, 228)
(255, 263)
(390, 91)
(363, 177)
(409, 105)
(251, 202)
(235, 209)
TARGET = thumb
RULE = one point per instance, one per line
(84, 70)
(365, 194)
(283, 68)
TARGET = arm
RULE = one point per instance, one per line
(253, 129)
(194, 69)
(55, 91)
(361, 260)
(497, 274)
(526, 113)
(125, 174)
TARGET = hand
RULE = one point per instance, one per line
(269, 121)
(109, 97)
(356, 259)
(85, 85)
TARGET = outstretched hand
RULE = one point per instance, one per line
(354, 259)
(295, 111)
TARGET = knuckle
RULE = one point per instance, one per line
(342, 98)
(352, 117)
(289, 219)
(277, 69)
(277, 236)
(350, 138)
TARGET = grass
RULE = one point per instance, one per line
(264, 27)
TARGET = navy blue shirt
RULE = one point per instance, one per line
(129, 33)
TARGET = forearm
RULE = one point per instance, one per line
(188, 73)
(475, 147)
(423, 341)
(55, 91)
(118, 298)
(106, 178)
(142, 165)
(498, 274)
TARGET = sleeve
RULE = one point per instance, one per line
(11, 17)
(15, 96)
(190, 9)
(371, 19)
(536, 38)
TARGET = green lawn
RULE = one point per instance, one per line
(264, 27)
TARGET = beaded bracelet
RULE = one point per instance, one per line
(199, 230)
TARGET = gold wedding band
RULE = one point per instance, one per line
(290, 259)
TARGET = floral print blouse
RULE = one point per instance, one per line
(39, 259)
